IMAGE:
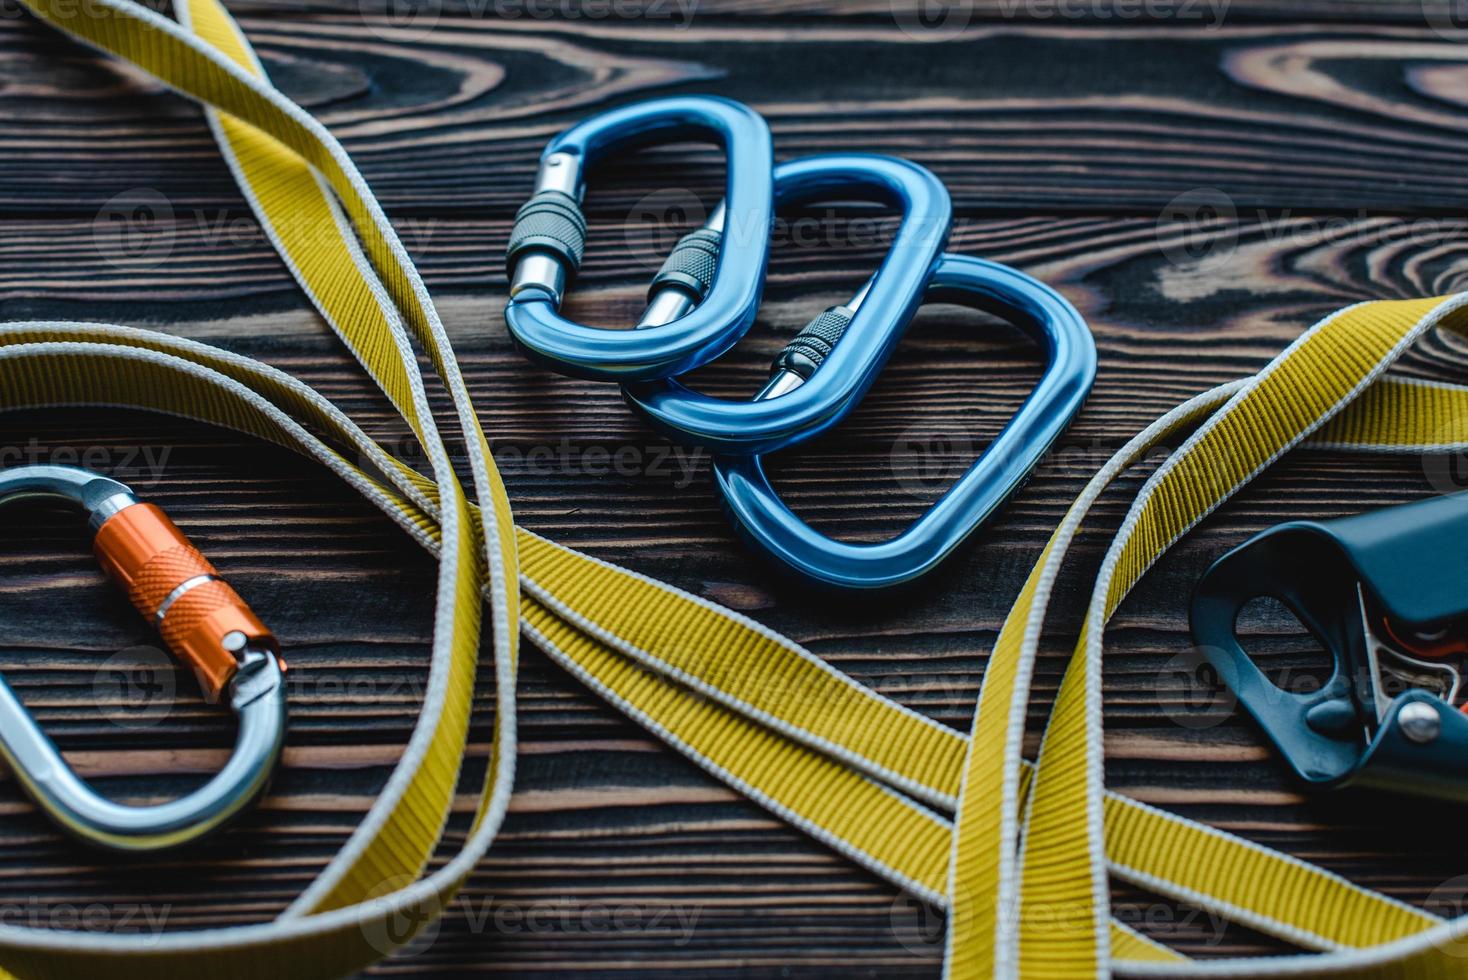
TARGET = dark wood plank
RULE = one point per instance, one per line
(934, 21)
(1299, 118)
(1064, 143)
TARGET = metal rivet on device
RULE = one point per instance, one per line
(1420, 722)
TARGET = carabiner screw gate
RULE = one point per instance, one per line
(206, 625)
(772, 528)
(549, 237)
(808, 350)
(823, 373)
(687, 274)
(704, 298)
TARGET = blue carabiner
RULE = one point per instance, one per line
(771, 527)
(872, 323)
(699, 312)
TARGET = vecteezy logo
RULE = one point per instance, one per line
(1445, 459)
(933, 20)
(926, 461)
(1447, 18)
(135, 687)
(1450, 900)
(656, 222)
(134, 229)
(398, 925)
(918, 925)
(400, 20)
(1198, 226)
(1192, 694)
(395, 437)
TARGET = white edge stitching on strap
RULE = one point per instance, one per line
(803, 736)
(439, 669)
(1011, 864)
(1097, 618)
(838, 844)
(1428, 919)
(332, 461)
(225, 938)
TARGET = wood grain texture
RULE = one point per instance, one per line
(1201, 195)
(446, 117)
(952, 15)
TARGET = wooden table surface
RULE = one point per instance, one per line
(1202, 187)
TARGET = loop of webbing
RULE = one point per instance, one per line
(855, 770)
(80, 364)
(1295, 395)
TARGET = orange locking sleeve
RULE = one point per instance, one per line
(148, 556)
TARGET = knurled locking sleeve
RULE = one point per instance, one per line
(810, 348)
(691, 264)
(178, 589)
(551, 221)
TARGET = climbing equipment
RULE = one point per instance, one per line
(1022, 868)
(874, 321)
(711, 292)
(207, 626)
(824, 372)
(1384, 597)
(850, 344)
(775, 530)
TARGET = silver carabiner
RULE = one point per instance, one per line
(204, 623)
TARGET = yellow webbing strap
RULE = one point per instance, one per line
(855, 770)
(1064, 840)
